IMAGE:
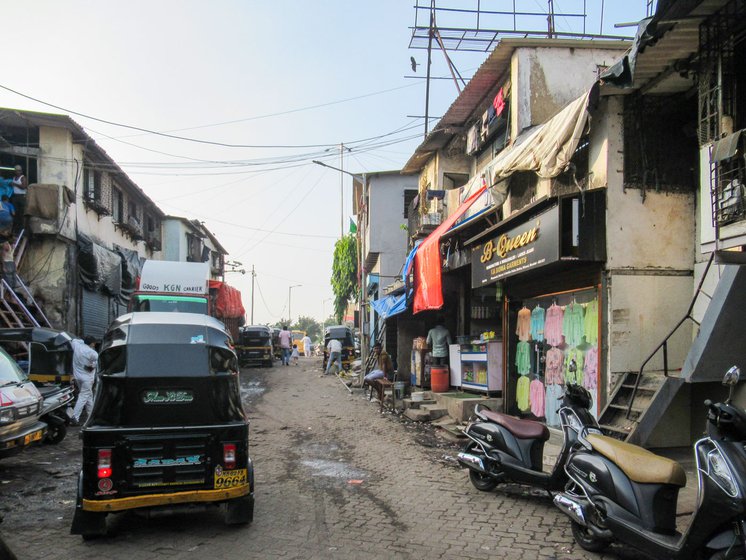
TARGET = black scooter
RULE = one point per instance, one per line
(618, 491)
(53, 411)
(503, 448)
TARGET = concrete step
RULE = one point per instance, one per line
(409, 403)
(436, 411)
(417, 415)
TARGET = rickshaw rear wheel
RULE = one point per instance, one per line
(239, 511)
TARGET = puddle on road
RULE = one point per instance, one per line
(333, 469)
(252, 389)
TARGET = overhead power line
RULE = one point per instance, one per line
(177, 137)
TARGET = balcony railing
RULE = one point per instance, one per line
(422, 224)
(728, 172)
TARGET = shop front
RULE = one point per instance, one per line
(544, 268)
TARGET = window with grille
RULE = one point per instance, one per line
(91, 184)
(117, 205)
(409, 195)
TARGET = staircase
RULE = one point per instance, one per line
(18, 308)
(641, 399)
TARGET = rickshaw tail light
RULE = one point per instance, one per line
(104, 463)
(229, 455)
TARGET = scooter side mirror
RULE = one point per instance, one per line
(730, 379)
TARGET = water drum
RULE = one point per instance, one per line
(440, 379)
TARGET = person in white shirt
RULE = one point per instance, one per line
(307, 346)
(335, 354)
(85, 359)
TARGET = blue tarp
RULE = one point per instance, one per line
(390, 305)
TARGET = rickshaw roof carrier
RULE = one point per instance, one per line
(49, 337)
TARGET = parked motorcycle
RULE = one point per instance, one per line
(53, 411)
(620, 492)
(503, 448)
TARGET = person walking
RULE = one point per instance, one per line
(438, 338)
(85, 359)
(335, 354)
(286, 339)
(307, 346)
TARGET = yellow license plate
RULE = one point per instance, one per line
(228, 479)
(36, 436)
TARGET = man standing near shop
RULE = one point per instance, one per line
(307, 346)
(85, 359)
(438, 338)
(286, 341)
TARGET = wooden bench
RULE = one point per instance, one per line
(380, 386)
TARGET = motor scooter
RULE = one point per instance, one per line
(503, 448)
(620, 492)
(53, 411)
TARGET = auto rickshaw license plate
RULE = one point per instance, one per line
(35, 436)
(229, 479)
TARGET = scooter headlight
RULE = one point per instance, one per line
(721, 474)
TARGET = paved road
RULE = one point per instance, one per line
(334, 479)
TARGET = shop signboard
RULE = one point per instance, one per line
(530, 245)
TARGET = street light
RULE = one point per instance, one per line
(290, 314)
(360, 178)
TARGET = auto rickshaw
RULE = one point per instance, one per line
(45, 354)
(298, 341)
(344, 335)
(254, 346)
(167, 428)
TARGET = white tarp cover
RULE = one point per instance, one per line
(174, 277)
(549, 147)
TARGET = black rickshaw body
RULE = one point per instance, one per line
(45, 354)
(276, 347)
(254, 346)
(167, 426)
(344, 335)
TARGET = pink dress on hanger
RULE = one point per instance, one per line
(536, 392)
(553, 325)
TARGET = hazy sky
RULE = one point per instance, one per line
(292, 78)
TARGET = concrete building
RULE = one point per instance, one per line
(381, 204)
(190, 241)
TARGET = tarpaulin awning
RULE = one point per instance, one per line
(548, 149)
(227, 301)
(428, 289)
(390, 305)
(99, 268)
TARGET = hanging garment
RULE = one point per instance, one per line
(522, 391)
(576, 377)
(554, 362)
(553, 325)
(536, 396)
(537, 323)
(572, 324)
(552, 404)
(590, 322)
(590, 369)
(523, 329)
(523, 357)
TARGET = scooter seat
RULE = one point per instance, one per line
(522, 429)
(639, 464)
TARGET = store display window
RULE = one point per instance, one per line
(553, 341)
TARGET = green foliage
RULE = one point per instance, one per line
(310, 325)
(344, 274)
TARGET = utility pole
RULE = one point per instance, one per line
(341, 191)
(253, 275)
(429, 60)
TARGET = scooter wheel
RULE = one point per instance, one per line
(482, 482)
(55, 433)
(586, 539)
